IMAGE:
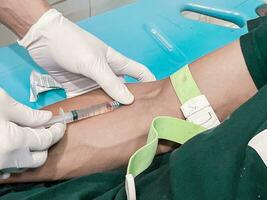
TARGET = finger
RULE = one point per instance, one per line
(112, 85)
(137, 71)
(21, 114)
(42, 139)
(124, 66)
(38, 159)
(4, 176)
(26, 116)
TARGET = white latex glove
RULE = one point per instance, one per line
(66, 51)
(22, 147)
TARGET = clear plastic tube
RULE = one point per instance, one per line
(76, 115)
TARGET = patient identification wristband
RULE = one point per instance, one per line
(195, 106)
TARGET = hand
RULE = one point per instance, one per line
(22, 147)
(67, 52)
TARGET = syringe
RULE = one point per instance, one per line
(76, 115)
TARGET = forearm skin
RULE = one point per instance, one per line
(20, 15)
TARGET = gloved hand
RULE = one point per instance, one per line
(22, 147)
(66, 51)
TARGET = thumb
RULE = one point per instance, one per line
(4, 176)
(21, 114)
(38, 158)
(122, 65)
(112, 85)
(26, 116)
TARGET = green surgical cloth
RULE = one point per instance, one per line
(254, 48)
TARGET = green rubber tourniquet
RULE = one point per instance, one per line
(184, 85)
(168, 128)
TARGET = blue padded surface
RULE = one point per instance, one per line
(152, 32)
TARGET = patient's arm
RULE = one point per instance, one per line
(106, 142)
(20, 15)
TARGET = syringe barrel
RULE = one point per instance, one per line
(63, 118)
(83, 113)
(54, 120)
(96, 110)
